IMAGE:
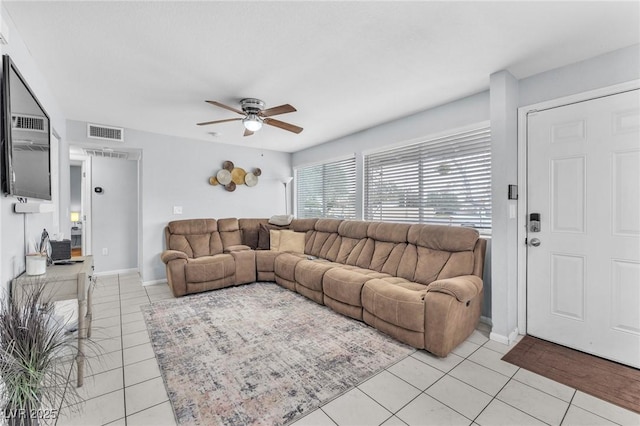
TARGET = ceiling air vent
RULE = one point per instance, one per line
(106, 153)
(105, 133)
(28, 122)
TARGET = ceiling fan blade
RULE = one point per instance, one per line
(218, 104)
(204, 123)
(282, 125)
(282, 109)
(247, 132)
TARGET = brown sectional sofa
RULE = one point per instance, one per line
(421, 284)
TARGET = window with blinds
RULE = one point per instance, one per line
(442, 181)
(327, 190)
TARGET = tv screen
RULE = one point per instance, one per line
(26, 138)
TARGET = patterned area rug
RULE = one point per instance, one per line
(259, 354)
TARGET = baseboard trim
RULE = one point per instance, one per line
(486, 320)
(505, 340)
(154, 282)
(116, 272)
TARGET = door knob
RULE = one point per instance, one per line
(534, 242)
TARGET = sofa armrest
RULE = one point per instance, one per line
(176, 278)
(463, 288)
(238, 247)
(169, 255)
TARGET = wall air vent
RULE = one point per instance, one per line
(106, 153)
(28, 122)
(108, 133)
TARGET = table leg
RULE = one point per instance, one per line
(82, 335)
(89, 315)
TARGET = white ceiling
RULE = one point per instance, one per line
(345, 66)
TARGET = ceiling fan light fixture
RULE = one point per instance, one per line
(252, 122)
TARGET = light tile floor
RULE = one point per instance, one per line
(471, 386)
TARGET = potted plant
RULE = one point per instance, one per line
(36, 354)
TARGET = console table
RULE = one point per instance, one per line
(65, 282)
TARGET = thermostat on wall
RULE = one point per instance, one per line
(98, 189)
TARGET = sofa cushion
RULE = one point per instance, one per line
(229, 232)
(324, 240)
(319, 243)
(265, 260)
(309, 273)
(193, 226)
(356, 229)
(394, 304)
(303, 225)
(194, 237)
(285, 265)
(445, 238)
(344, 285)
(386, 255)
(249, 229)
(209, 268)
(390, 232)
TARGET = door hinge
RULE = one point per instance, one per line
(526, 241)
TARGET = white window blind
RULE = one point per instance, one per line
(327, 190)
(443, 181)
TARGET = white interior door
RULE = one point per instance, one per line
(583, 273)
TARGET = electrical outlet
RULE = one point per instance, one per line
(105, 251)
(177, 209)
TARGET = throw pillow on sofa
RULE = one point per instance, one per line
(287, 240)
(281, 219)
(264, 236)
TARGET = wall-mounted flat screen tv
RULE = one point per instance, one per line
(26, 140)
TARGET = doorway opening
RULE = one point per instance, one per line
(80, 204)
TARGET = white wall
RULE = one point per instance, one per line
(115, 214)
(16, 228)
(611, 68)
(175, 172)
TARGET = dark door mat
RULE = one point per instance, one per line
(607, 380)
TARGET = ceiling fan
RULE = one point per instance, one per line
(255, 115)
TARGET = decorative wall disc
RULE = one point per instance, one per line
(250, 179)
(213, 180)
(228, 165)
(237, 175)
(224, 176)
(257, 171)
(231, 186)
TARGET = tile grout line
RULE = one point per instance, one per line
(494, 397)
(461, 381)
(568, 406)
(124, 384)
